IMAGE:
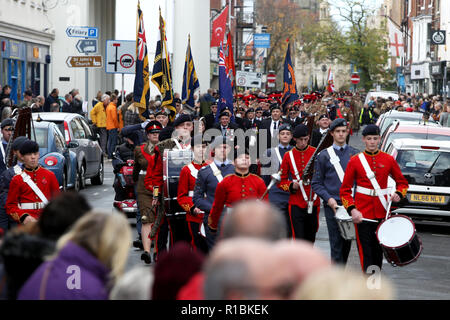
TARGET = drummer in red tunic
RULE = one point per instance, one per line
(32, 188)
(186, 184)
(242, 185)
(368, 203)
(304, 221)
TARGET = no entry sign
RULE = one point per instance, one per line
(355, 79)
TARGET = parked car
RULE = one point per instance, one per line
(55, 155)
(402, 130)
(75, 127)
(387, 118)
(426, 166)
(381, 94)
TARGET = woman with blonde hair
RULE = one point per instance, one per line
(88, 261)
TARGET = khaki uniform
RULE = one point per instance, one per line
(144, 196)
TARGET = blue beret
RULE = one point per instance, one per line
(300, 131)
(18, 143)
(7, 122)
(371, 130)
(338, 123)
(285, 126)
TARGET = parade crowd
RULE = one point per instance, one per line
(236, 239)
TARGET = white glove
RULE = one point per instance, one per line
(144, 124)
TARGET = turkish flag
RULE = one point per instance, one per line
(219, 26)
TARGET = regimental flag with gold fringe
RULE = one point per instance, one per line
(162, 75)
(190, 80)
(290, 92)
(141, 91)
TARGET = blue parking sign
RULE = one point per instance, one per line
(261, 40)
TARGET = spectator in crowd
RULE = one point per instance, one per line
(54, 107)
(98, 246)
(132, 116)
(6, 108)
(436, 111)
(134, 285)
(340, 284)
(124, 107)
(112, 125)
(173, 270)
(36, 105)
(97, 98)
(254, 219)
(51, 99)
(443, 119)
(98, 116)
(27, 97)
(74, 92)
(66, 104)
(26, 248)
(6, 92)
(77, 105)
(162, 117)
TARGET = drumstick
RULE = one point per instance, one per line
(369, 220)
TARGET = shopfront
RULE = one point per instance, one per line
(437, 70)
(23, 66)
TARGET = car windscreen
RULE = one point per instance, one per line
(389, 120)
(425, 167)
(42, 137)
(413, 135)
(60, 125)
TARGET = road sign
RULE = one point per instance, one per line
(120, 56)
(82, 32)
(271, 78)
(87, 46)
(248, 79)
(85, 62)
(355, 79)
(261, 40)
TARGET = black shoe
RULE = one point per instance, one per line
(146, 257)
(138, 244)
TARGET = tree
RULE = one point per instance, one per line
(357, 42)
(282, 22)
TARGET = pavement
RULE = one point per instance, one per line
(427, 278)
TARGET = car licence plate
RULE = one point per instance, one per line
(429, 198)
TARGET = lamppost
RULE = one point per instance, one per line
(324, 70)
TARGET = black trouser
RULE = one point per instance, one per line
(284, 208)
(303, 225)
(340, 248)
(179, 229)
(161, 236)
(370, 252)
(197, 240)
(210, 236)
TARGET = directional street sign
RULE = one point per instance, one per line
(85, 62)
(87, 46)
(82, 32)
(120, 56)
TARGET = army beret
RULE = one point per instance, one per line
(371, 130)
(285, 126)
(275, 106)
(18, 143)
(166, 133)
(182, 119)
(177, 100)
(323, 116)
(28, 147)
(300, 131)
(266, 114)
(338, 123)
(250, 110)
(7, 122)
(161, 112)
(259, 109)
(153, 127)
(224, 114)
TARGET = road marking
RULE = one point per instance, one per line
(95, 194)
(105, 190)
(440, 235)
(434, 257)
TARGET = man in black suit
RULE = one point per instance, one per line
(251, 120)
(273, 123)
(240, 119)
(317, 134)
(224, 125)
(293, 117)
(259, 114)
(210, 118)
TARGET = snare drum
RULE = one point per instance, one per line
(345, 224)
(399, 241)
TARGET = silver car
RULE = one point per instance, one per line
(89, 153)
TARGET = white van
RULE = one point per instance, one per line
(381, 94)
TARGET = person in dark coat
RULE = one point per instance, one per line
(224, 124)
(88, 261)
(51, 99)
(272, 124)
(318, 133)
(210, 118)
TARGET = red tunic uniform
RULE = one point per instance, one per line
(149, 181)
(186, 186)
(232, 189)
(382, 165)
(21, 193)
(301, 158)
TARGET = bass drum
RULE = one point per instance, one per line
(173, 162)
(398, 238)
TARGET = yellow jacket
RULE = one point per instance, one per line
(98, 115)
(111, 117)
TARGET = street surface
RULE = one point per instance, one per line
(427, 278)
